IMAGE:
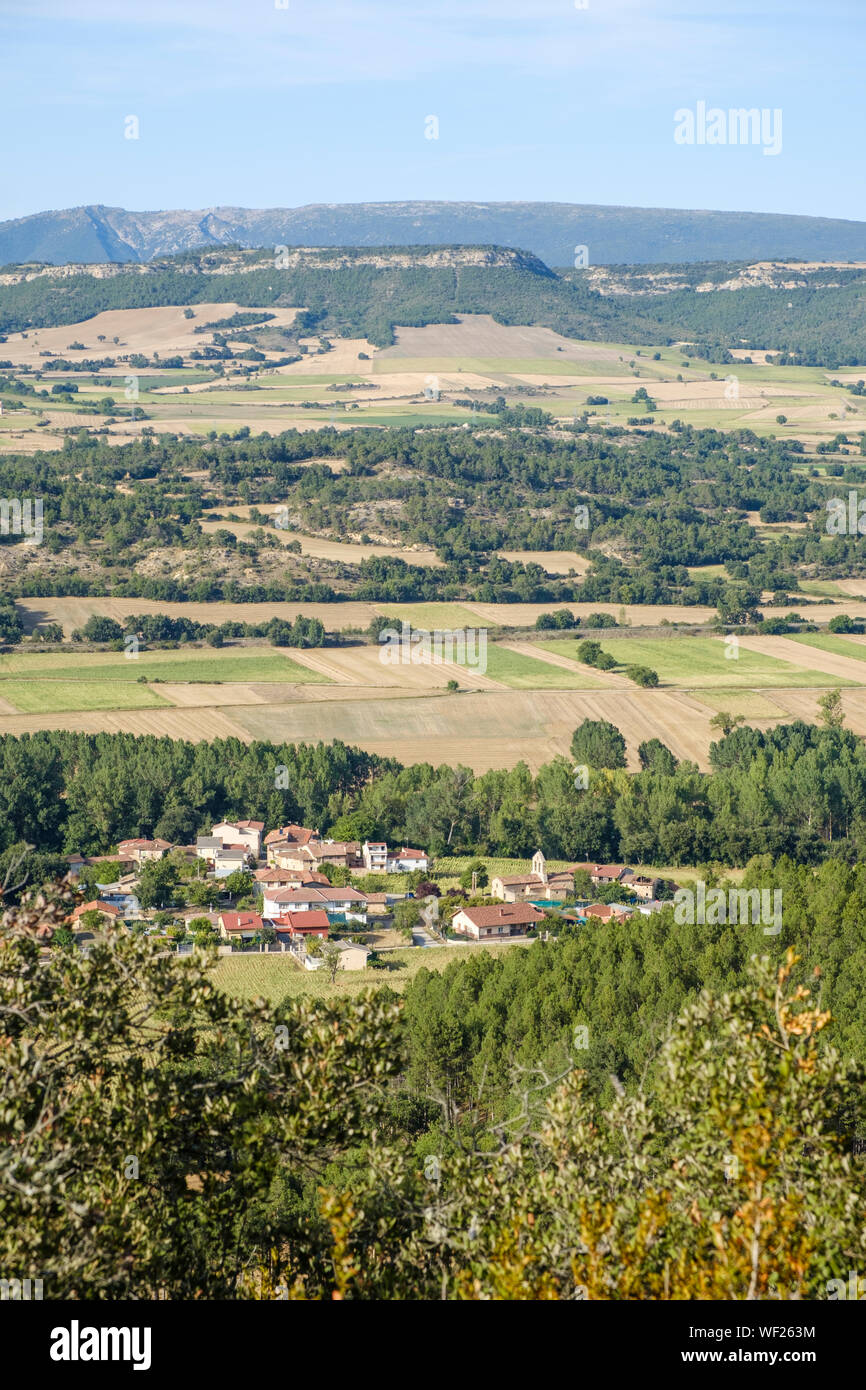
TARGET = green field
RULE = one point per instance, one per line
(431, 617)
(822, 588)
(57, 696)
(833, 642)
(242, 665)
(452, 868)
(694, 662)
(274, 978)
(521, 672)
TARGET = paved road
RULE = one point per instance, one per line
(421, 937)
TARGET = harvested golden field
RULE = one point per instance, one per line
(164, 330)
(364, 666)
(488, 729)
(479, 335)
(195, 724)
(353, 615)
(833, 664)
(755, 706)
(803, 704)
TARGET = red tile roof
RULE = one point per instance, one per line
(96, 905)
(241, 921)
(298, 877)
(317, 920)
(287, 896)
(143, 844)
(519, 913)
(295, 834)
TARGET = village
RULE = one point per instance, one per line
(328, 902)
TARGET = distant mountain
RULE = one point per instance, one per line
(552, 231)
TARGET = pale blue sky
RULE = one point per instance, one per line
(243, 103)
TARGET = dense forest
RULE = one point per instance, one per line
(798, 790)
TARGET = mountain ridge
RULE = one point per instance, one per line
(555, 232)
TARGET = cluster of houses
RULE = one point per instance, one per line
(298, 901)
(526, 897)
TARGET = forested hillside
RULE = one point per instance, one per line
(656, 505)
(370, 291)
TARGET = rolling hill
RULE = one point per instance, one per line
(813, 311)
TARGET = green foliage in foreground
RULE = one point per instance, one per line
(156, 1135)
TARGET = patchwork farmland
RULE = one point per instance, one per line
(523, 706)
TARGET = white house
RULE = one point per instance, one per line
(242, 832)
(378, 859)
(346, 902)
(375, 854)
(403, 861)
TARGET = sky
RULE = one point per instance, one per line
(261, 103)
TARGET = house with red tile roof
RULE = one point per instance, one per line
(344, 854)
(109, 912)
(292, 925)
(289, 878)
(497, 922)
(239, 925)
(292, 834)
(606, 912)
(642, 887)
